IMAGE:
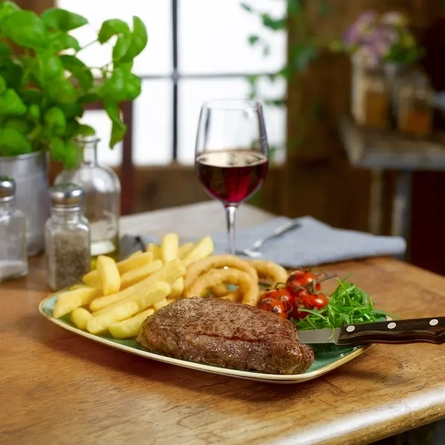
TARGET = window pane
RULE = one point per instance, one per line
(274, 116)
(193, 93)
(99, 120)
(213, 37)
(157, 56)
(152, 136)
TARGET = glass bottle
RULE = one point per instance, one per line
(67, 237)
(376, 102)
(414, 110)
(103, 190)
(13, 256)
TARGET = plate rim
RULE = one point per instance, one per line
(249, 375)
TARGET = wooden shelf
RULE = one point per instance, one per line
(387, 150)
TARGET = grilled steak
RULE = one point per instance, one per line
(222, 333)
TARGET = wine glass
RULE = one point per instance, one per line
(231, 158)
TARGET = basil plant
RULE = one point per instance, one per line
(44, 85)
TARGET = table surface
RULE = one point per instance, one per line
(59, 388)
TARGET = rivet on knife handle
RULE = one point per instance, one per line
(429, 330)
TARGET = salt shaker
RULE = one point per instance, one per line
(67, 237)
(13, 257)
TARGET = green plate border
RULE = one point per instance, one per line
(327, 357)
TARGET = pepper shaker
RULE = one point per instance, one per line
(67, 237)
(13, 257)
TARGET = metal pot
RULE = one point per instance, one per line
(30, 172)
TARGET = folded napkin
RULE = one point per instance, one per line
(311, 244)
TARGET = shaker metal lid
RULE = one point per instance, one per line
(67, 196)
(7, 189)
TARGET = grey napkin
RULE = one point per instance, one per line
(312, 244)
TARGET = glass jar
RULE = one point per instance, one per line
(371, 102)
(67, 237)
(414, 110)
(13, 256)
(103, 191)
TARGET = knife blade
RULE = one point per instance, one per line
(427, 330)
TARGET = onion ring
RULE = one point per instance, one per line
(268, 269)
(233, 296)
(219, 290)
(196, 269)
(247, 285)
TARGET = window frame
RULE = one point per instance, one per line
(176, 76)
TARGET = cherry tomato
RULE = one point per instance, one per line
(299, 279)
(282, 295)
(307, 300)
(273, 305)
(296, 312)
(318, 301)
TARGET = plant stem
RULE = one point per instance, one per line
(87, 45)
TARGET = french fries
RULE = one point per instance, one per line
(170, 273)
(129, 328)
(99, 323)
(128, 307)
(133, 276)
(80, 317)
(72, 299)
(103, 302)
(92, 279)
(169, 247)
(109, 275)
(177, 288)
(134, 261)
(155, 250)
(202, 249)
(184, 250)
(161, 303)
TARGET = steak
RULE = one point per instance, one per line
(223, 333)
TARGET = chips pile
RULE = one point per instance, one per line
(117, 297)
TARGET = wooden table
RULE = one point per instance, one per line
(58, 388)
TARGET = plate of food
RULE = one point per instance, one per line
(221, 314)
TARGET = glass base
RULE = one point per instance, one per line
(12, 269)
(104, 247)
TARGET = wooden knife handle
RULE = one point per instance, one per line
(429, 330)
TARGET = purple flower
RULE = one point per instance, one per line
(360, 29)
(372, 38)
(380, 40)
(366, 19)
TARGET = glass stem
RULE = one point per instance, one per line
(230, 214)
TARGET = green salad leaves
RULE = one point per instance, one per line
(44, 85)
(348, 304)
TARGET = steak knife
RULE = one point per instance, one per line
(427, 330)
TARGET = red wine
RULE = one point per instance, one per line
(231, 176)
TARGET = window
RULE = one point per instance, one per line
(197, 50)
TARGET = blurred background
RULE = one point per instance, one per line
(352, 97)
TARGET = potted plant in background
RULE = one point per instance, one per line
(44, 87)
(379, 45)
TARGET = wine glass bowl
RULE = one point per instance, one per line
(231, 176)
(231, 158)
